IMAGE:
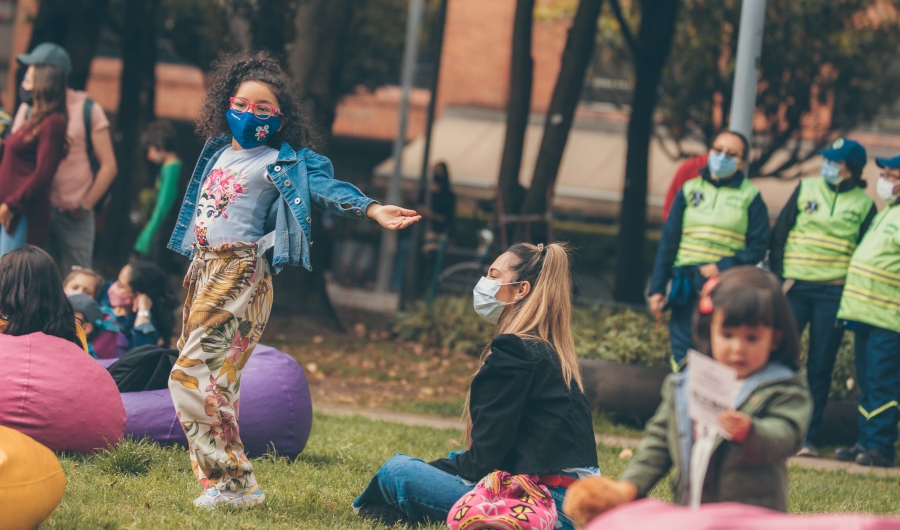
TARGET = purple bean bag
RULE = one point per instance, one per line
(52, 391)
(276, 408)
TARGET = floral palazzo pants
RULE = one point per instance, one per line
(226, 310)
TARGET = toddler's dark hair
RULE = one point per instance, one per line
(228, 72)
(751, 296)
(161, 135)
(32, 297)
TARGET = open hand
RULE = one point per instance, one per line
(737, 424)
(709, 270)
(392, 217)
(142, 302)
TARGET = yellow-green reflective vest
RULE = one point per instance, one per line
(872, 290)
(715, 220)
(822, 241)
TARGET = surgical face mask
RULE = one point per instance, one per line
(250, 131)
(486, 303)
(721, 165)
(885, 190)
(831, 172)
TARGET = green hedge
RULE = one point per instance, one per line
(622, 336)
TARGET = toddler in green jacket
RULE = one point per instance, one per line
(744, 321)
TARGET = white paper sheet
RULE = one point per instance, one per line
(710, 388)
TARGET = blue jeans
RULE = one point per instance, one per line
(878, 371)
(680, 338)
(425, 494)
(817, 305)
(8, 242)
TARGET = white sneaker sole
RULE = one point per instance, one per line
(237, 503)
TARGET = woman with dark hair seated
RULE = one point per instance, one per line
(142, 303)
(32, 298)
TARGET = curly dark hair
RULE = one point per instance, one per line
(229, 71)
(32, 297)
(161, 135)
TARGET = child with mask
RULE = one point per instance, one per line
(871, 305)
(253, 190)
(811, 245)
(717, 221)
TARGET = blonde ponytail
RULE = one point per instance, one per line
(545, 314)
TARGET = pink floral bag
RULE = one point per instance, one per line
(502, 501)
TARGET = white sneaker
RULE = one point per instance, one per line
(247, 498)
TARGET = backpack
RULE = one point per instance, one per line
(504, 501)
(143, 368)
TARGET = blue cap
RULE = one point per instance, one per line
(47, 52)
(889, 163)
(846, 150)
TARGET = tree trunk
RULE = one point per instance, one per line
(315, 59)
(653, 46)
(75, 25)
(518, 106)
(135, 112)
(566, 93)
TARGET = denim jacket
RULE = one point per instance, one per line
(304, 178)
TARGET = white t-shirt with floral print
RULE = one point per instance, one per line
(235, 198)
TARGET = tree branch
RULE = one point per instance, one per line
(626, 29)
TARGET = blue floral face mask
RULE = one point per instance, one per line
(250, 131)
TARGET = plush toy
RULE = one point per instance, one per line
(589, 497)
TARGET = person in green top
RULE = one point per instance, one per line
(811, 245)
(160, 139)
(871, 306)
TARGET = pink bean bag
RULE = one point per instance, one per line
(648, 514)
(54, 392)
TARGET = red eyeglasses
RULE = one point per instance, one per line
(262, 111)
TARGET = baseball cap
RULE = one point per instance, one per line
(846, 150)
(88, 307)
(47, 52)
(889, 163)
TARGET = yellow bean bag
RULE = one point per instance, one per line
(31, 481)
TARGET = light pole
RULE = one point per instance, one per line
(746, 69)
(389, 238)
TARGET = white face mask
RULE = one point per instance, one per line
(486, 303)
(885, 190)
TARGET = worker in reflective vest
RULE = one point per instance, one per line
(718, 221)
(812, 243)
(871, 305)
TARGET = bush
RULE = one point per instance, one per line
(449, 322)
(626, 337)
(622, 336)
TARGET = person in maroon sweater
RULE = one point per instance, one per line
(32, 155)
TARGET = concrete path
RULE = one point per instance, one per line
(615, 441)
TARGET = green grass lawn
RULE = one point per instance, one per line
(144, 486)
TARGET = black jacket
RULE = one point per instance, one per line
(788, 218)
(524, 418)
